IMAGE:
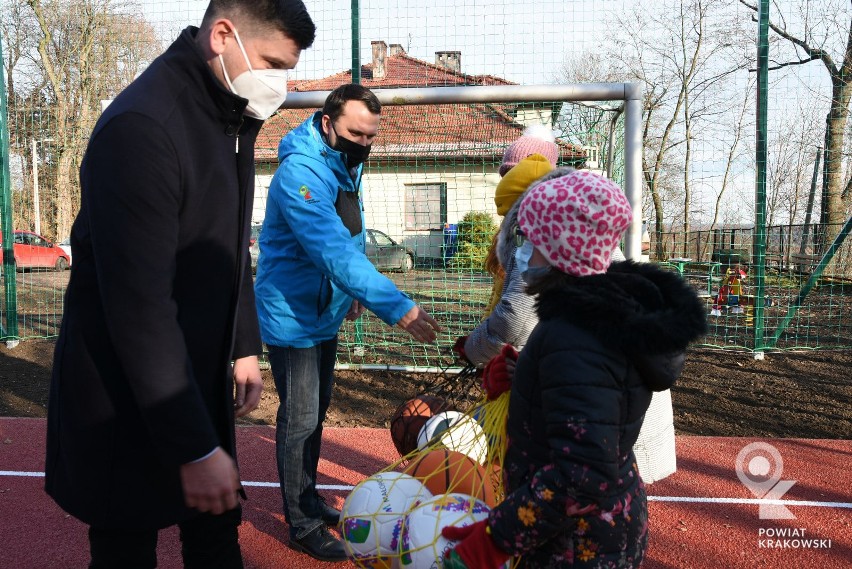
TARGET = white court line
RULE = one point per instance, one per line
(696, 500)
(319, 486)
(23, 474)
(689, 499)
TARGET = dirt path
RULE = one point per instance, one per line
(795, 395)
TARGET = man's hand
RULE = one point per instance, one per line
(248, 385)
(420, 325)
(211, 485)
(356, 310)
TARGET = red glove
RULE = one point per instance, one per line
(497, 377)
(458, 348)
(477, 548)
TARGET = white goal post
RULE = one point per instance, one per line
(629, 93)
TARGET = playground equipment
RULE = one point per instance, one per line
(733, 294)
(730, 290)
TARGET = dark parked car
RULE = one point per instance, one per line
(387, 254)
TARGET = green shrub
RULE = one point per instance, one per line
(474, 239)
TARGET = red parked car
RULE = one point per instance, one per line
(34, 251)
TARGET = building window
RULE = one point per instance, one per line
(425, 206)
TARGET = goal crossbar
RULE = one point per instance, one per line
(629, 93)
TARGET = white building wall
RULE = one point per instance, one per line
(261, 190)
(384, 202)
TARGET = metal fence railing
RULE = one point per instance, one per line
(805, 289)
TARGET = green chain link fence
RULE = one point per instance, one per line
(713, 211)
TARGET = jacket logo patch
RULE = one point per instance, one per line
(306, 193)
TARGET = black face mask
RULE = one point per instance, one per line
(355, 153)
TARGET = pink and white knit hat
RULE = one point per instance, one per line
(575, 221)
(536, 139)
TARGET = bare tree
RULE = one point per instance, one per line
(789, 166)
(590, 123)
(737, 127)
(713, 113)
(76, 53)
(18, 43)
(683, 62)
(824, 25)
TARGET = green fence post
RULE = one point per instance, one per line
(10, 334)
(356, 42)
(808, 211)
(760, 178)
(356, 78)
(815, 276)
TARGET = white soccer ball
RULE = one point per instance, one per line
(457, 432)
(372, 517)
(422, 546)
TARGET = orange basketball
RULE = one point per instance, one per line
(444, 470)
(410, 417)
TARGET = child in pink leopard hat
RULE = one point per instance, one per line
(608, 336)
(576, 221)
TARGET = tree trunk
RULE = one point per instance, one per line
(833, 213)
(66, 188)
(660, 246)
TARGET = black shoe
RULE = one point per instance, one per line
(328, 514)
(320, 544)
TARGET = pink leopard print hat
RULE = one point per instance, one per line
(575, 221)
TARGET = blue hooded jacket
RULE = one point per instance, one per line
(311, 266)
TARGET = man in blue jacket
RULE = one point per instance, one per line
(311, 274)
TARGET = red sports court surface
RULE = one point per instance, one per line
(702, 516)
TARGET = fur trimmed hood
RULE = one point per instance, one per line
(650, 314)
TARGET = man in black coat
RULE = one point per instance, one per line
(159, 341)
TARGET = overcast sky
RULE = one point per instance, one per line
(524, 42)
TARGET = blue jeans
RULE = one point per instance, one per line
(304, 378)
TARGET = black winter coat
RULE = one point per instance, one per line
(160, 299)
(582, 385)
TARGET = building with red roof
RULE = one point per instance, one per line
(429, 164)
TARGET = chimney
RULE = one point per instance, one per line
(396, 49)
(449, 60)
(380, 51)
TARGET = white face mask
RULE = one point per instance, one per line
(523, 254)
(265, 89)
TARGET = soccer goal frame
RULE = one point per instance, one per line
(630, 94)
